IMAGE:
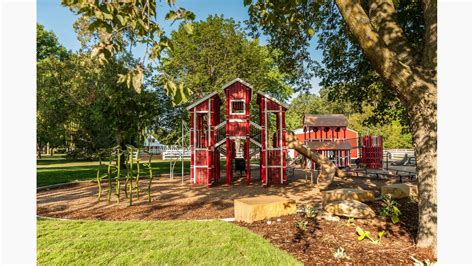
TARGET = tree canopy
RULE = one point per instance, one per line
(47, 44)
(80, 105)
(217, 52)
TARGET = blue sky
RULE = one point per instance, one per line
(60, 19)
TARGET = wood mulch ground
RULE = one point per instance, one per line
(173, 200)
(321, 239)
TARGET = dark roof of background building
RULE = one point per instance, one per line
(333, 120)
(328, 145)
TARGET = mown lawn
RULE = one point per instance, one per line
(57, 169)
(157, 242)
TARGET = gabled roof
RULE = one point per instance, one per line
(273, 99)
(333, 120)
(328, 145)
(238, 80)
(201, 100)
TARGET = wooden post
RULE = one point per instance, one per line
(192, 143)
(263, 155)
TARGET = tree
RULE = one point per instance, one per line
(313, 104)
(116, 24)
(216, 53)
(50, 70)
(47, 44)
(81, 105)
(398, 40)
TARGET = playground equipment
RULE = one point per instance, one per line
(328, 138)
(243, 138)
(269, 139)
(132, 164)
(371, 150)
(179, 153)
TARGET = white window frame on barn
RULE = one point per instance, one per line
(232, 107)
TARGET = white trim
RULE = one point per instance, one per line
(220, 125)
(275, 166)
(266, 145)
(194, 150)
(273, 99)
(256, 143)
(200, 101)
(232, 109)
(220, 142)
(256, 125)
(237, 120)
(237, 137)
(281, 144)
(239, 80)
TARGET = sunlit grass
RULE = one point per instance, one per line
(153, 242)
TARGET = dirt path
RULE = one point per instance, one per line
(173, 200)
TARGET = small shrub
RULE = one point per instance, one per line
(301, 225)
(309, 212)
(341, 254)
(426, 262)
(350, 221)
(390, 209)
(366, 234)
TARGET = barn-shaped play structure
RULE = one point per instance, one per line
(237, 137)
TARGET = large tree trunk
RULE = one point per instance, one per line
(424, 127)
(415, 84)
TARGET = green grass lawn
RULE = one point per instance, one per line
(58, 170)
(157, 242)
(143, 242)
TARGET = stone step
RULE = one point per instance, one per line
(262, 207)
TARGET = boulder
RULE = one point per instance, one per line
(349, 208)
(262, 207)
(347, 194)
(398, 191)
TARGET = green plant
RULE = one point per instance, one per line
(390, 209)
(309, 212)
(366, 234)
(341, 254)
(350, 221)
(426, 262)
(301, 225)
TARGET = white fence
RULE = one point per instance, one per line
(395, 154)
(175, 153)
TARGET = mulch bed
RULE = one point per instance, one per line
(173, 200)
(318, 243)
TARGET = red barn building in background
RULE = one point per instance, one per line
(329, 135)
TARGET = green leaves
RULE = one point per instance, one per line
(188, 28)
(390, 209)
(179, 93)
(366, 234)
(137, 21)
(362, 234)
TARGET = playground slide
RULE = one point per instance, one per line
(328, 169)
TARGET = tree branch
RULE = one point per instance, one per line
(382, 14)
(429, 58)
(397, 75)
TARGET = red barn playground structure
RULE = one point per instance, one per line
(237, 137)
(329, 136)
